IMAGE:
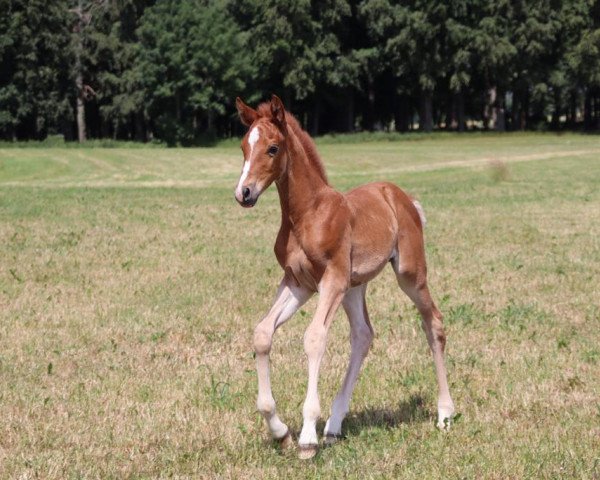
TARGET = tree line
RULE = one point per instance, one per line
(171, 69)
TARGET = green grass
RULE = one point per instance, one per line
(130, 283)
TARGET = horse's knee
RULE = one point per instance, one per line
(434, 328)
(313, 339)
(438, 327)
(311, 409)
(440, 337)
(265, 405)
(262, 340)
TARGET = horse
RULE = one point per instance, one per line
(332, 243)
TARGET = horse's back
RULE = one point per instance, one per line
(381, 198)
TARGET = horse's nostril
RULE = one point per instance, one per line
(246, 193)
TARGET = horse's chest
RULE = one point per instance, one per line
(295, 261)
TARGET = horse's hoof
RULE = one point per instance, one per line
(444, 424)
(306, 452)
(445, 417)
(286, 441)
(331, 439)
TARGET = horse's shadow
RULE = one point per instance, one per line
(411, 410)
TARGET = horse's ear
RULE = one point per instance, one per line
(247, 114)
(277, 110)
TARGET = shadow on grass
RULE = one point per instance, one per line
(412, 410)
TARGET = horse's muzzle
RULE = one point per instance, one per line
(248, 197)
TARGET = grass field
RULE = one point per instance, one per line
(130, 284)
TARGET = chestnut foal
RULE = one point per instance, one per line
(334, 244)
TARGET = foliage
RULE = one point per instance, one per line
(34, 68)
(171, 69)
(192, 63)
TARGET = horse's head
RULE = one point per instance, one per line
(263, 147)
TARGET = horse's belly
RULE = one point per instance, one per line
(374, 232)
(367, 265)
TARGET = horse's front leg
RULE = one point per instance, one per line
(288, 300)
(331, 294)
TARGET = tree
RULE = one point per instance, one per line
(297, 49)
(583, 59)
(459, 51)
(412, 34)
(169, 69)
(111, 64)
(534, 27)
(493, 55)
(34, 75)
(192, 60)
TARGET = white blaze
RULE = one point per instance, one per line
(252, 139)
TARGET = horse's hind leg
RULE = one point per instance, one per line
(413, 282)
(361, 336)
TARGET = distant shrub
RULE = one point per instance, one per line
(58, 141)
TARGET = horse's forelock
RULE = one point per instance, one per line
(264, 110)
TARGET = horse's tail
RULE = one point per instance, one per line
(419, 208)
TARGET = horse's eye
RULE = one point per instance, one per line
(273, 149)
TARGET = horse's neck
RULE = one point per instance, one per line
(300, 185)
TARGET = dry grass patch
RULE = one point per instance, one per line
(127, 312)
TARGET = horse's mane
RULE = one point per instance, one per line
(264, 110)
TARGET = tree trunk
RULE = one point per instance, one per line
(426, 120)
(573, 110)
(210, 122)
(587, 110)
(350, 112)
(500, 111)
(178, 106)
(516, 105)
(460, 111)
(555, 122)
(525, 112)
(35, 124)
(105, 128)
(81, 130)
(597, 112)
(450, 120)
(369, 114)
(401, 113)
(314, 130)
(140, 131)
(489, 110)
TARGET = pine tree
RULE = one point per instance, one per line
(34, 75)
(192, 60)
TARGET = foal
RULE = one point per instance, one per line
(334, 244)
